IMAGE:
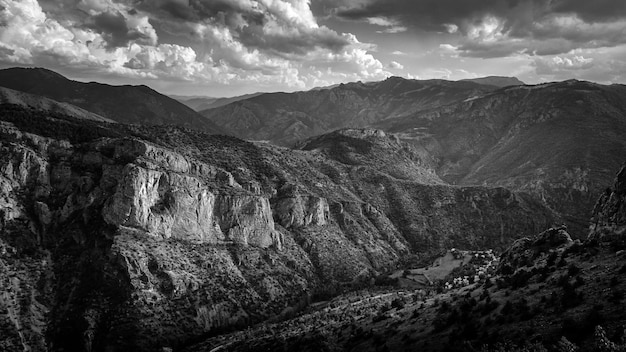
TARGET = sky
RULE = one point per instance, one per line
(233, 47)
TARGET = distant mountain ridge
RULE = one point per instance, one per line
(285, 118)
(498, 81)
(205, 103)
(126, 104)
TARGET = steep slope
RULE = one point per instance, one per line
(118, 237)
(431, 215)
(126, 104)
(284, 118)
(560, 141)
(13, 97)
(548, 293)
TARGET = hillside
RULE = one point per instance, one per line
(125, 104)
(560, 141)
(546, 293)
(286, 118)
(123, 237)
(13, 97)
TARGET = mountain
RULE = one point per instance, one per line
(205, 103)
(559, 141)
(285, 118)
(544, 293)
(13, 97)
(124, 237)
(497, 81)
(126, 104)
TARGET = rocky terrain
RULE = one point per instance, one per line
(119, 237)
(549, 293)
(126, 104)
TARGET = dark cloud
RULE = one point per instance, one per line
(114, 29)
(539, 27)
(196, 10)
(427, 14)
(592, 10)
(434, 13)
(290, 42)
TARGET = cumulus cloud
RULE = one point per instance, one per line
(555, 64)
(255, 41)
(396, 65)
(393, 26)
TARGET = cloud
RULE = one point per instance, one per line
(118, 30)
(561, 63)
(496, 28)
(393, 25)
(396, 65)
(260, 42)
(598, 65)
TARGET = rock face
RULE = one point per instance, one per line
(609, 214)
(525, 250)
(120, 238)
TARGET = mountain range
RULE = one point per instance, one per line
(130, 222)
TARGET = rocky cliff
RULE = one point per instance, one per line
(609, 214)
(117, 238)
